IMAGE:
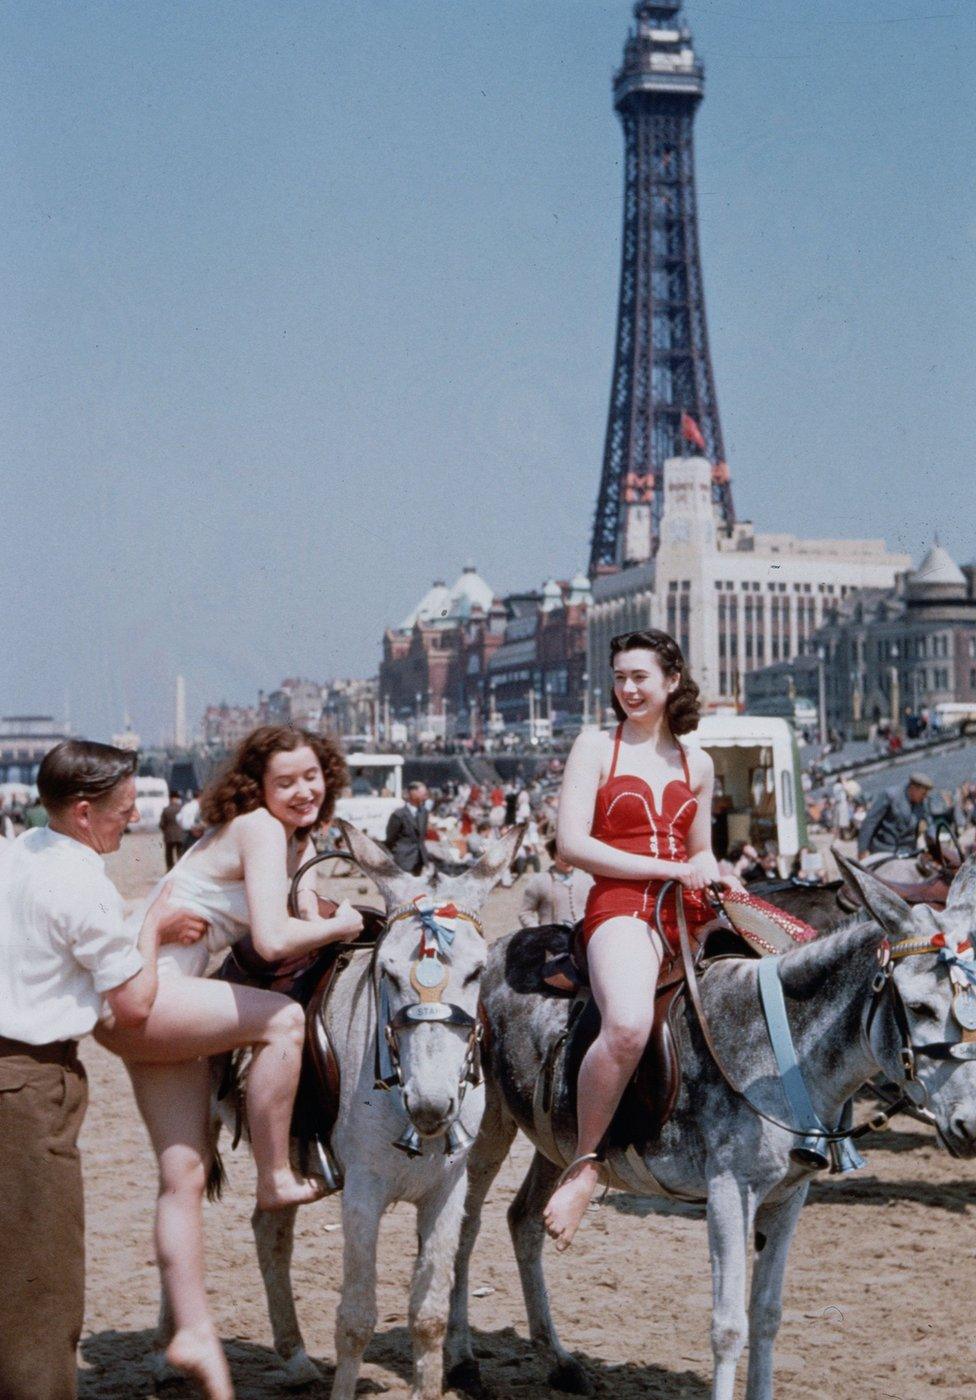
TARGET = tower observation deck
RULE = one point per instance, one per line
(662, 375)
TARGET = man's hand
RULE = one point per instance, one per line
(173, 924)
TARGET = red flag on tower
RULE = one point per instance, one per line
(691, 432)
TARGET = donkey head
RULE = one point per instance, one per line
(429, 967)
(937, 987)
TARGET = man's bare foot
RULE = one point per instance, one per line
(567, 1204)
(284, 1188)
(196, 1351)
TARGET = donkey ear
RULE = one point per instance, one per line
(885, 906)
(374, 859)
(498, 857)
(962, 891)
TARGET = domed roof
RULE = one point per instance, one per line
(552, 596)
(470, 591)
(580, 590)
(434, 606)
(938, 567)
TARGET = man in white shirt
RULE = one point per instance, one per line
(66, 960)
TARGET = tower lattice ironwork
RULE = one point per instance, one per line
(662, 369)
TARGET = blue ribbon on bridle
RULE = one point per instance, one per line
(967, 966)
(439, 933)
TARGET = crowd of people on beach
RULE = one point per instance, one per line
(632, 808)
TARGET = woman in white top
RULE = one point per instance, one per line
(280, 784)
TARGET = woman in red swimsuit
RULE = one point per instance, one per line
(635, 810)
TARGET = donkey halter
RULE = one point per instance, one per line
(962, 973)
(428, 977)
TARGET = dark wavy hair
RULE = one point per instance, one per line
(239, 787)
(683, 709)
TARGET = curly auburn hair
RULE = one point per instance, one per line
(239, 787)
(683, 708)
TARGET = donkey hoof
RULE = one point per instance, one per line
(300, 1370)
(570, 1377)
(465, 1377)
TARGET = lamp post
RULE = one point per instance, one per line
(586, 699)
(895, 697)
(822, 692)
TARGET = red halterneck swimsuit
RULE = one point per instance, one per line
(627, 817)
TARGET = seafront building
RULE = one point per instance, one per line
(735, 600)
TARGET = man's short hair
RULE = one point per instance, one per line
(416, 785)
(78, 769)
(551, 848)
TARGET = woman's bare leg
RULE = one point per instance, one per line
(194, 1017)
(174, 1101)
(624, 958)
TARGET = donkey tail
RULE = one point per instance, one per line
(216, 1176)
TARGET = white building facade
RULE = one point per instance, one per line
(734, 603)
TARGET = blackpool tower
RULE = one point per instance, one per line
(662, 399)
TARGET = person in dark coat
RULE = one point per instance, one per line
(173, 833)
(893, 817)
(406, 831)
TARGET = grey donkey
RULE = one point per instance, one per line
(433, 1097)
(715, 1149)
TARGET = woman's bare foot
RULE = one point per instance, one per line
(284, 1188)
(567, 1204)
(198, 1354)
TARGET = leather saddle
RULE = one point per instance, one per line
(309, 981)
(649, 1098)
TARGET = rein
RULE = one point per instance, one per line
(813, 1135)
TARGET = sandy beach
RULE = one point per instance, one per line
(878, 1298)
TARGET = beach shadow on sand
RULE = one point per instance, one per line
(116, 1367)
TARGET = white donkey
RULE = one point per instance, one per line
(409, 1015)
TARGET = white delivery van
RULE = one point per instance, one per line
(757, 766)
(375, 790)
(152, 795)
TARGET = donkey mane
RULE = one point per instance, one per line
(805, 971)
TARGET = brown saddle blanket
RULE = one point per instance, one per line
(309, 981)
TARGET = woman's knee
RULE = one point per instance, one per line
(182, 1173)
(287, 1024)
(626, 1035)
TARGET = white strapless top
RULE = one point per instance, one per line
(223, 903)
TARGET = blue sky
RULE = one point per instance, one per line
(307, 302)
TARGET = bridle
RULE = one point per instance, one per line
(813, 1137)
(428, 977)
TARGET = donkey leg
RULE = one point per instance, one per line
(363, 1202)
(274, 1237)
(525, 1222)
(731, 1208)
(776, 1224)
(490, 1148)
(438, 1227)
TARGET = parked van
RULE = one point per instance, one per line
(152, 795)
(757, 766)
(375, 790)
